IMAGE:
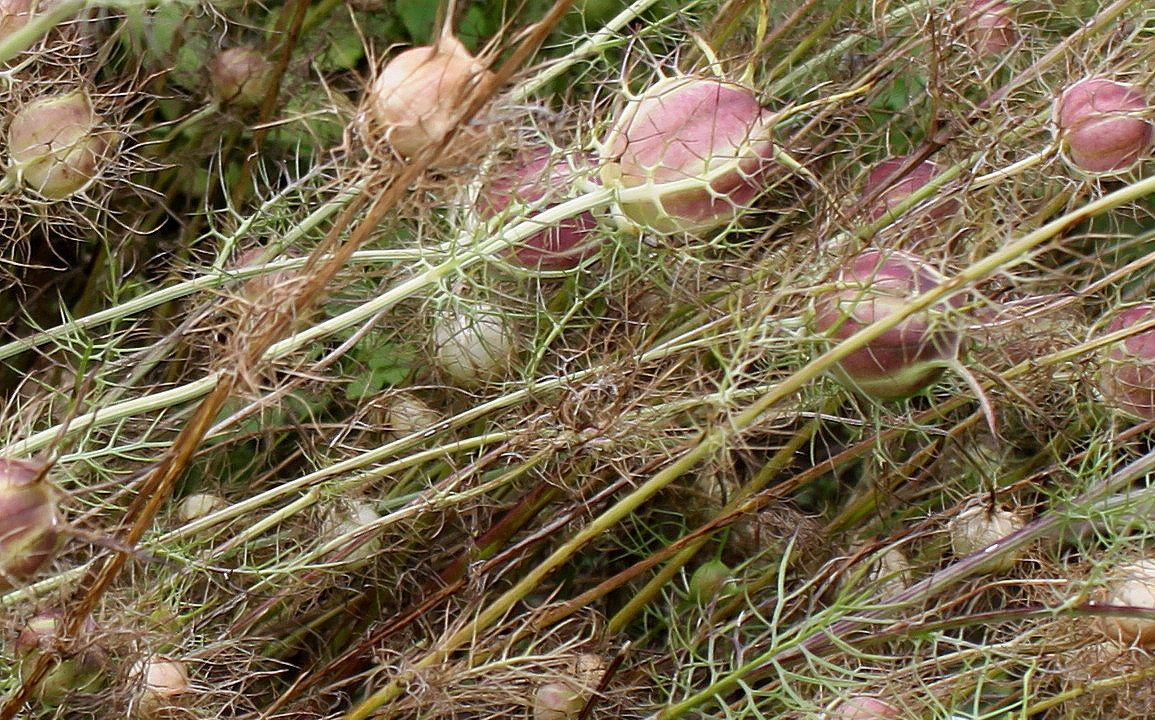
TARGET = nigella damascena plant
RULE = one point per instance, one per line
(56, 145)
(689, 154)
(1127, 371)
(1104, 126)
(30, 521)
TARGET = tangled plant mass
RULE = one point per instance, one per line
(481, 359)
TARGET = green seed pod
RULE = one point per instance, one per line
(29, 521)
(55, 146)
(84, 671)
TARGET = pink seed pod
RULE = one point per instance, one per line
(55, 146)
(29, 521)
(933, 211)
(1103, 126)
(989, 26)
(863, 707)
(544, 181)
(699, 147)
(905, 359)
(419, 93)
(82, 667)
(241, 76)
(1126, 377)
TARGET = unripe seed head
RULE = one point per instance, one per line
(241, 76)
(1127, 373)
(55, 146)
(544, 181)
(1132, 586)
(709, 582)
(419, 93)
(699, 147)
(1104, 126)
(863, 707)
(989, 26)
(29, 521)
(905, 359)
(979, 526)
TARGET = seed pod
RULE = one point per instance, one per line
(557, 701)
(1126, 377)
(419, 93)
(197, 505)
(162, 689)
(698, 147)
(29, 521)
(932, 213)
(473, 345)
(989, 26)
(1131, 586)
(55, 146)
(1103, 126)
(905, 359)
(241, 76)
(406, 414)
(863, 707)
(710, 581)
(979, 526)
(543, 181)
(83, 670)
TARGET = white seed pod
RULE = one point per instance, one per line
(406, 414)
(197, 505)
(350, 517)
(419, 93)
(557, 701)
(1132, 586)
(979, 526)
(474, 345)
(892, 571)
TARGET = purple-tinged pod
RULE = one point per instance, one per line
(989, 26)
(1104, 126)
(889, 190)
(545, 181)
(694, 152)
(241, 76)
(29, 521)
(1127, 370)
(906, 358)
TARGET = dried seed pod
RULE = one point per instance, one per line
(83, 670)
(29, 520)
(698, 149)
(1104, 126)
(55, 144)
(980, 526)
(543, 180)
(406, 414)
(241, 76)
(1131, 585)
(1126, 377)
(418, 95)
(905, 359)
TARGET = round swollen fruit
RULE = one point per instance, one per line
(1127, 371)
(691, 152)
(1130, 586)
(543, 179)
(55, 146)
(906, 358)
(1104, 126)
